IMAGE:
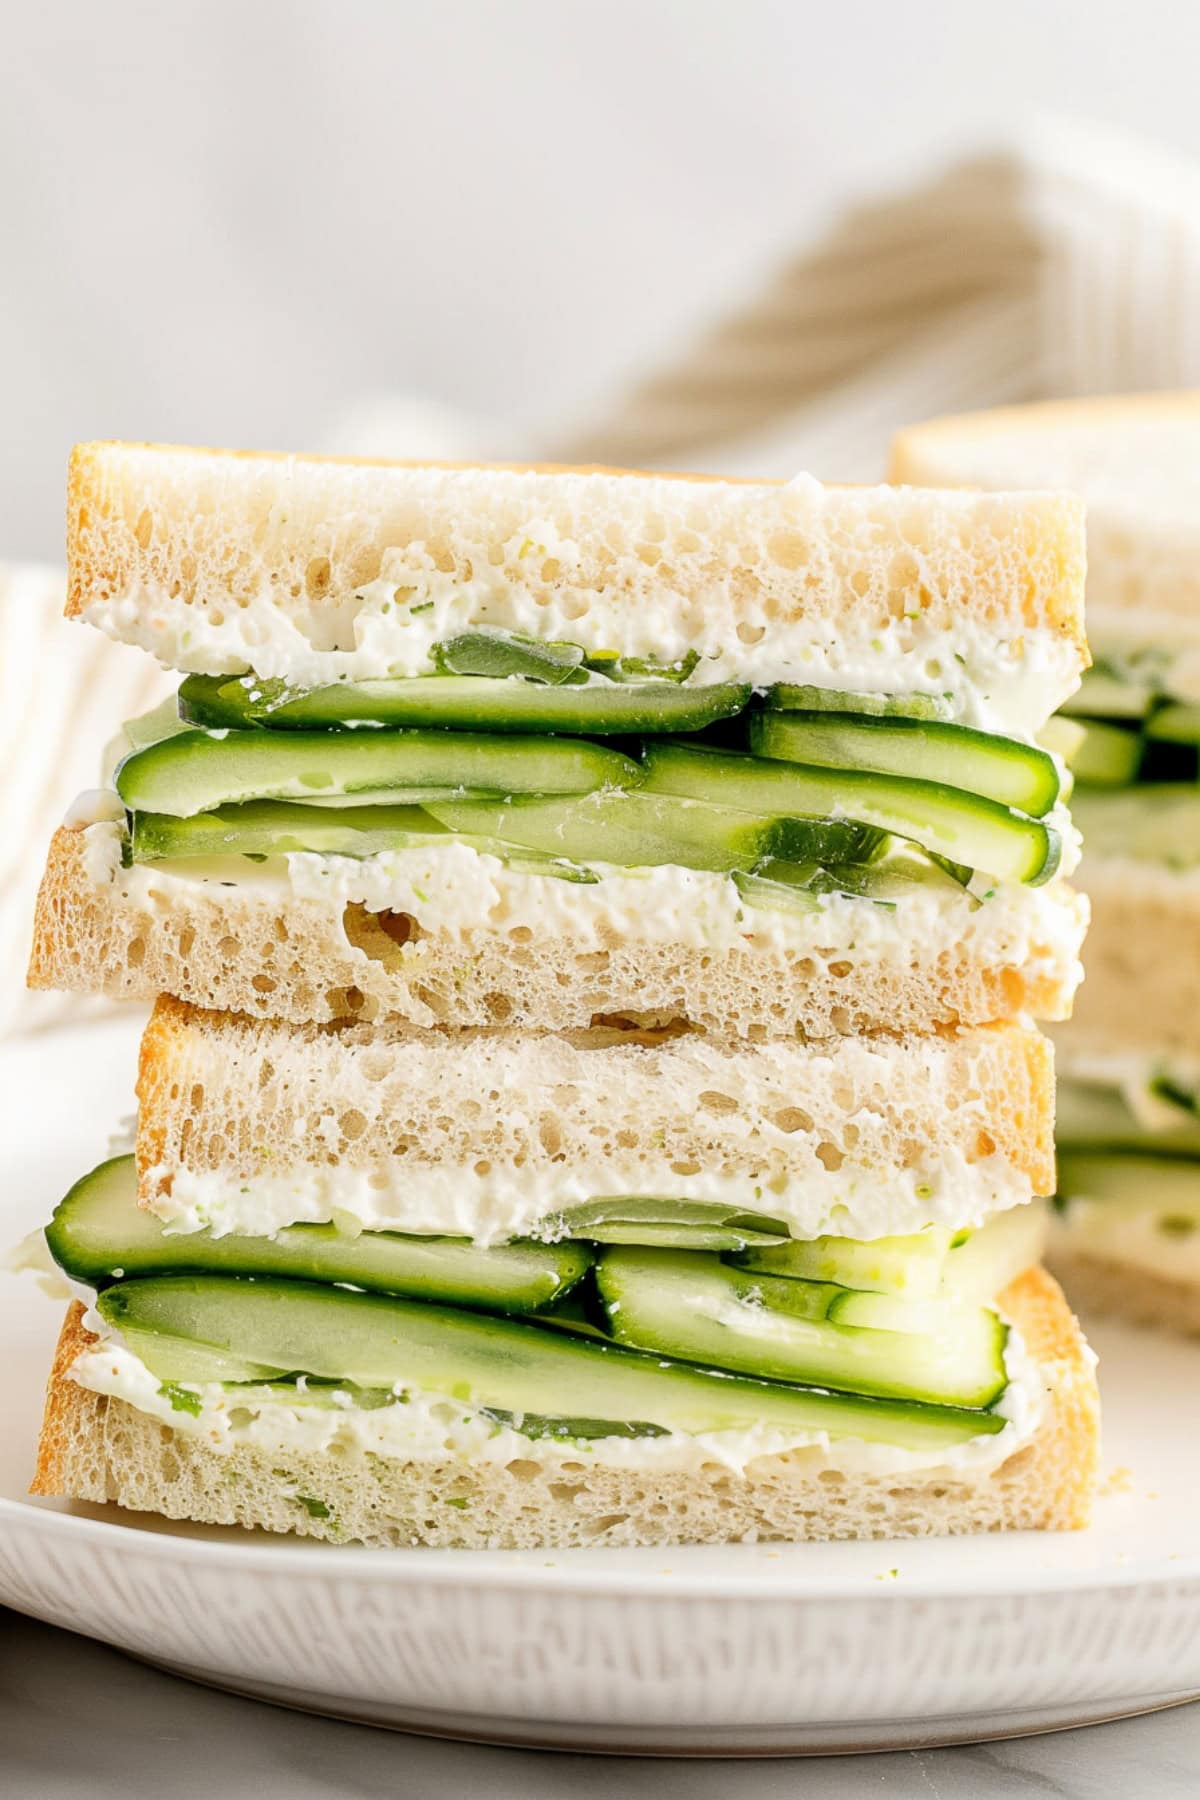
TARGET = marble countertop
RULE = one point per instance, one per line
(81, 1722)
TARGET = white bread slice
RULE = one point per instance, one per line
(1142, 992)
(219, 560)
(863, 1137)
(98, 1449)
(1134, 459)
(136, 934)
(1103, 1286)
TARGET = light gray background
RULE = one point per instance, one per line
(224, 222)
(79, 1722)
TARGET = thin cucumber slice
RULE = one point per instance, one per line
(909, 1267)
(1176, 723)
(896, 875)
(286, 827)
(535, 1425)
(290, 1326)
(787, 697)
(1103, 755)
(638, 830)
(178, 1359)
(980, 1263)
(1158, 823)
(280, 828)
(697, 1309)
(769, 894)
(969, 829)
(162, 721)
(1170, 1185)
(196, 771)
(468, 702)
(955, 756)
(1102, 695)
(669, 1224)
(99, 1234)
(501, 654)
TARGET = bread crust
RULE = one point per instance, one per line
(310, 959)
(187, 528)
(914, 448)
(97, 1449)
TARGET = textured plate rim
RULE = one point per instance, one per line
(449, 1567)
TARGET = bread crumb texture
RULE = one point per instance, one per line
(218, 1091)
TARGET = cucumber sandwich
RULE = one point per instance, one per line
(1126, 1235)
(596, 925)
(502, 746)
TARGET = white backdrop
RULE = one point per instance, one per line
(228, 221)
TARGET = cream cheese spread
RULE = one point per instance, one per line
(999, 684)
(942, 1188)
(433, 1427)
(453, 889)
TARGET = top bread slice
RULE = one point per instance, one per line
(1135, 461)
(217, 560)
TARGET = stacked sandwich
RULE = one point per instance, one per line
(595, 924)
(1126, 1232)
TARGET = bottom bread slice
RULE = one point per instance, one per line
(1102, 1286)
(97, 1448)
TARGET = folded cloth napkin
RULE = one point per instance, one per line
(1067, 265)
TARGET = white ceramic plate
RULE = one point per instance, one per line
(751, 1649)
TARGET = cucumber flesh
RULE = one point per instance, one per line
(501, 654)
(770, 894)
(162, 721)
(289, 1326)
(669, 1224)
(1157, 823)
(197, 771)
(469, 702)
(1105, 755)
(980, 1263)
(281, 828)
(787, 697)
(287, 827)
(955, 756)
(971, 830)
(1102, 695)
(99, 1234)
(909, 1267)
(697, 1309)
(899, 872)
(639, 830)
(183, 1359)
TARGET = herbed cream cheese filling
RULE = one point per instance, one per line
(453, 889)
(856, 1201)
(1005, 684)
(434, 1427)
